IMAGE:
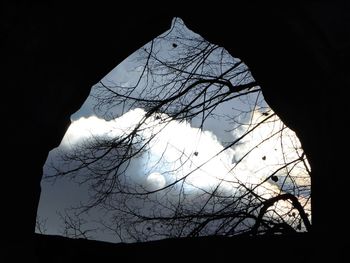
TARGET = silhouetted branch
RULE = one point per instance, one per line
(271, 201)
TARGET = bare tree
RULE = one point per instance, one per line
(40, 225)
(185, 81)
(75, 227)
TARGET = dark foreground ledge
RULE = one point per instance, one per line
(292, 248)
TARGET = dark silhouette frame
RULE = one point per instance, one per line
(53, 53)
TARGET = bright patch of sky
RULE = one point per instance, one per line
(181, 149)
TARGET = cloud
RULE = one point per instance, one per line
(86, 127)
(273, 145)
(178, 150)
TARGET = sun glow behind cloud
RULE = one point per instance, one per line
(179, 150)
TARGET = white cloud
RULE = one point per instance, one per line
(86, 127)
(179, 150)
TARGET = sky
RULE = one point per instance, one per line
(178, 147)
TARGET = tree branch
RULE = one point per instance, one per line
(275, 199)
